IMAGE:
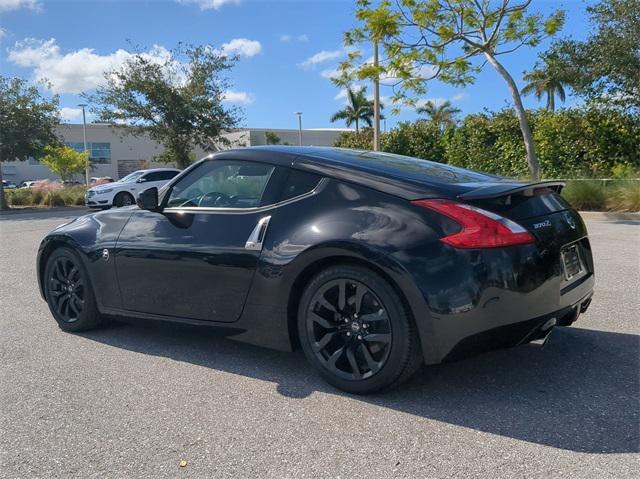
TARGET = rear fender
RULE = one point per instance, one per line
(339, 252)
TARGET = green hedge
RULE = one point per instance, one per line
(570, 143)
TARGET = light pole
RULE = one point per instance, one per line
(299, 114)
(84, 136)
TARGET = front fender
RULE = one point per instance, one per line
(88, 236)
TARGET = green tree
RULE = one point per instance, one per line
(442, 115)
(420, 139)
(27, 123)
(450, 40)
(605, 68)
(177, 101)
(358, 108)
(546, 79)
(65, 161)
(357, 141)
(271, 138)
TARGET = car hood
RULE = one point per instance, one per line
(108, 186)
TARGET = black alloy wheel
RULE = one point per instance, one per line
(349, 329)
(356, 331)
(67, 289)
(68, 292)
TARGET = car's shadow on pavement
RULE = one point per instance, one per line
(581, 392)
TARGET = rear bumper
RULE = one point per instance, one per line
(477, 300)
(515, 334)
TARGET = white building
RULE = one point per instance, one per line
(115, 152)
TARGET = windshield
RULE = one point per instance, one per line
(131, 177)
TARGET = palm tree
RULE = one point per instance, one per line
(358, 108)
(442, 115)
(543, 82)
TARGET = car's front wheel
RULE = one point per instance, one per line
(123, 199)
(68, 292)
(356, 331)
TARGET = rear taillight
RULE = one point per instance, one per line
(480, 228)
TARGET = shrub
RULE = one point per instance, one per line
(421, 139)
(46, 193)
(586, 195)
(19, 197)
(73, 195)
(363, 140)
(53, 198)
(569, 143)
(625, 196)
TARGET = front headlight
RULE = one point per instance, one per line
(101, 192)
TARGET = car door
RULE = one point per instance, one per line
(196, 259)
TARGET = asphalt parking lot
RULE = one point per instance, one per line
(134, 400)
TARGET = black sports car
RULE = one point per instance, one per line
(373, 263)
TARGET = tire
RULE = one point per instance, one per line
(123, 199)
(356, 332)
(68, 292)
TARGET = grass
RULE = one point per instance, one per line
(47, 195)
(597, 195)
(625, 197)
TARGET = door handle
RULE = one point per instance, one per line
(256, 238)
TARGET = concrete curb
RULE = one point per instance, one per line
(609, 216)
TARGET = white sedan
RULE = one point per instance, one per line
(123, 192)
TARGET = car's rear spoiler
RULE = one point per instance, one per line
(504, 189)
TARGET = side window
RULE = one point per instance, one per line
(298, 183)
(153, 176)
(222, 184)
(168, 175)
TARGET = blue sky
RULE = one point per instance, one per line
(287, 49)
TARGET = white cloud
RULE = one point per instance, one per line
(242, 47)
(299, 38)
(70, 114)
(3, 33)
(8, 5)
(458, 97)
(321, 57)
(72, 72)
(209, 4)
(342, 94)
(436, 101)
(239, 97)
(330, 73)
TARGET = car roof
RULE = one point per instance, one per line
(155, 169)
(399, 175)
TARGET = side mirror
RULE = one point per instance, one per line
(141, 180)
(148, 199)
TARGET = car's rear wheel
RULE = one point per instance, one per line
(123, 199)
(356, 331)
(68, 292)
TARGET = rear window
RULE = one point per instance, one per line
(405, 166)
(298, 183)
